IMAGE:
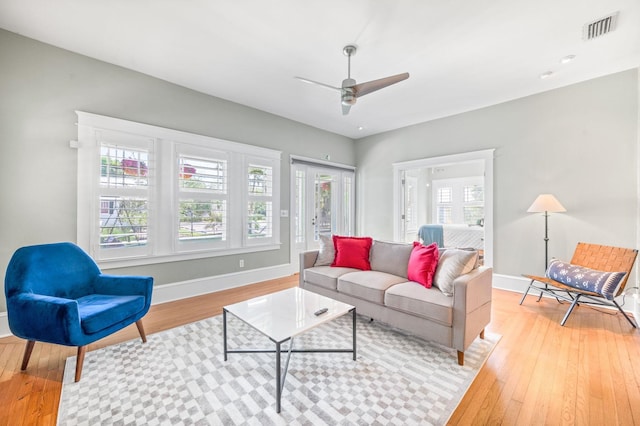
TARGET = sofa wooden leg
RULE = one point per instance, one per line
(27, 354)
(482, 334)
(460, 358)
(141, 331)
(79, 361)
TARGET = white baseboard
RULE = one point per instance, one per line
(4, 325)
(510, 283)
(182, 290)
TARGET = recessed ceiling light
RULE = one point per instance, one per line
(567, 59)
(546, 75)
(360, 127)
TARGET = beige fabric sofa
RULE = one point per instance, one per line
(385, 294)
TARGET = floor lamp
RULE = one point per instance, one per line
(546, 203)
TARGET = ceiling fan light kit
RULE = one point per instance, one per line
(350, 91)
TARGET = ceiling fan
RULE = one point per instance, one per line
(350, 91)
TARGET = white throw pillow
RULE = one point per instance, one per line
(327, 251)
(451, 265)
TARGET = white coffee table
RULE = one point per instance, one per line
(283, 315)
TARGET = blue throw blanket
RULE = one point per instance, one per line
(431, 234)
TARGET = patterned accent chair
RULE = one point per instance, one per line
(57, 294)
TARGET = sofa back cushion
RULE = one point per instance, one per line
(451, 264)
(391, 258)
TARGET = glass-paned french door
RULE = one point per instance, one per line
(323, 204)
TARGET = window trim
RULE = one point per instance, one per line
(163, 245)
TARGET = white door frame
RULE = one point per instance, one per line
(484, 155)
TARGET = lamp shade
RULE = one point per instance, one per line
(546, 203)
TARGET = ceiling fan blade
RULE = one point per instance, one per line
(317, 83)
(373, 85)
(345, 109)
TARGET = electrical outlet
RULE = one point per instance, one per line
(242, 263)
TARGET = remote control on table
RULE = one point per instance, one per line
(320, 311)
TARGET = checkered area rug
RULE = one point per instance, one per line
(179, 377)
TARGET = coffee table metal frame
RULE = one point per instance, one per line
(280, 374)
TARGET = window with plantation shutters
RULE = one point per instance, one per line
(147, 194)
(125, 176)
(444, 205)
(202, 199)
(473, 203)
(459, 200)
(259, 201)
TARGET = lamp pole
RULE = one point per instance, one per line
(546, 240)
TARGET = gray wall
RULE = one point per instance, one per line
(40, 88)
(579, 143)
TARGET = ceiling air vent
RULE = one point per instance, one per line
(600, 27)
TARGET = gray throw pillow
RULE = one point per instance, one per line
(391, 258)
(327, 252)
(451, 264)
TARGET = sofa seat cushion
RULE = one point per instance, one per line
(368, 285)
(99, 311)
(326, 276)
(414, 298)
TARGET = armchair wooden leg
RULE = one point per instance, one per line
(27, 354)
(141, 331)
(460, 358)
(482, 334)
(79, 361)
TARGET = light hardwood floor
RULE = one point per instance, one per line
(585, 373)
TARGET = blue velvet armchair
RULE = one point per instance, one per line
(57, 294)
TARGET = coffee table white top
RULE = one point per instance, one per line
(287, 313)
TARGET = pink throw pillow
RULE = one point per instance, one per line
(422, 263)
(352, 252)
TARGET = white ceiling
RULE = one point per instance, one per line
(461, 54)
